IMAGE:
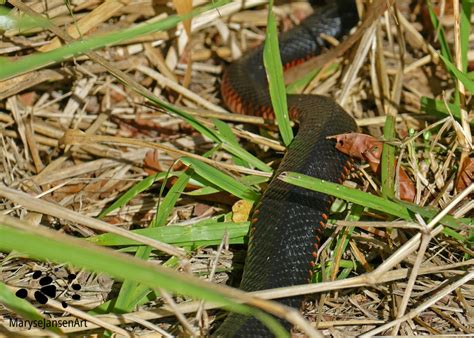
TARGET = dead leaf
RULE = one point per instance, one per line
(407, 188)
(28, 98)
(361, 146)
(151, 163)
(465, 175)
(369, 149)
(241, 211)
(201, 209)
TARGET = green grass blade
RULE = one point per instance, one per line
(229, 143)
(276, 84)
(202, 191)
(180, 234)
(297, 86)
(220, 179)
(348, 194)
(430, 212)
(388, 159)
(225, 132)
(453, 234)
(469, 84)
(23, 23)
(400, 209)
(201, 128)
(166, 207)
(465, 28)
(46, 245)
(138, 188)
(438, 108)
(247, 180)
(106, 307)
(343, 238)
(254, 179)
(439, 29)
(130, 290)
(445, 51)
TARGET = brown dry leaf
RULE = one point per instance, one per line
(466, 174)
(369, 149)
(407, 188)
(151, 163)
(241, 211)
(362, 147)
(201, 209)
(28, 98)
(471, 66)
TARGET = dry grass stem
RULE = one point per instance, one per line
(182, 319)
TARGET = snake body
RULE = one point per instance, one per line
(288, 221)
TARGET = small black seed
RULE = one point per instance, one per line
(76, 297)
(64, 304)
(37, 274)
(76, 287)
(71, 277)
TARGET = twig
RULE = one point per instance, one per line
(215, 262)
(462, 91)
(147, 324)
(425, 240)
(165, 82)
(181, 318)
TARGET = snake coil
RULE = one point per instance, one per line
(287, 223)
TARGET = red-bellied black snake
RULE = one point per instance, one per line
(287, 223)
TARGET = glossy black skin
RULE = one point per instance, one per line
(286, 227)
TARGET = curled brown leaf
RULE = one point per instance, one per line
(368, 148)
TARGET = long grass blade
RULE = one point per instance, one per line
(221, 180)
(46, 245)
(276, 84)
